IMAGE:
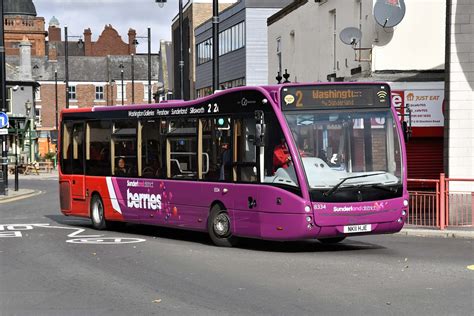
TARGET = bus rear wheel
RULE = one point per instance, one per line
(333, 240)
(97, 213)
(219, 227)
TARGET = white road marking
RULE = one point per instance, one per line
(15, 230)
(105, 241)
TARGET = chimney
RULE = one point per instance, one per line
(52, 52)
(25, 60)
(87, 42)
(54, 34)
(132, 35)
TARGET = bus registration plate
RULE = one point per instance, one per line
(357, 228)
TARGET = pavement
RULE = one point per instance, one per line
(417, 231)
(24, 193)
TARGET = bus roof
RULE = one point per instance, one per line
(270, 89)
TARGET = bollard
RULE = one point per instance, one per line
(442, 202)
(16, 177)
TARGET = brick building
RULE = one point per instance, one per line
(98, 70)
(95, 75)
(21, 21)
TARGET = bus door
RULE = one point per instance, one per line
(73, 158)
(245, 174)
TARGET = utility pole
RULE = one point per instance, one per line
(149, 65)
(3, 106)
(215, 45)
(66, 65)
(181, 54)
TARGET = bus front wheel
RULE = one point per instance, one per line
(219, 227)
(97, 213)
(333, 240)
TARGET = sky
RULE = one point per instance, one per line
(121, 14)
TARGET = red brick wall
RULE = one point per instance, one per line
(109, 43)
(16, 28)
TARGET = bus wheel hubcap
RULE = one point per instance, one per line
(221, 225)
(96, 213)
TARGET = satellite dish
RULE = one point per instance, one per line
(350, 36)
(389, 13)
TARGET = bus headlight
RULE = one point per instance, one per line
(308, 219)
(400, 220)
(405, 203)
(404, 213)
(307, 209)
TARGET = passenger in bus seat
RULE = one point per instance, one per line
(226, 160)
(121, 169)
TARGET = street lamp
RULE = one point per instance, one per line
(135, 42)
(133, 78)
(80, 43)
(28, 106)
(121, 78)
(16, 154)
(56, 99)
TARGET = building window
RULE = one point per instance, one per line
(38, 94)
(145, 92)
(204, 51)
(38, 115)
(99, 92)
(334, 38)
(230, 40)
(9, 101)
(72, 93)
(204, 92)
(233, 83)
(119, 91)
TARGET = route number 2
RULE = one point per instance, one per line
(212, 109)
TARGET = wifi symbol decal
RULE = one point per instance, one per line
(382, 95)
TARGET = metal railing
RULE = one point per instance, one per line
(447, 202)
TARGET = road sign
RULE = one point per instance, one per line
(3, 119)
(3, 131)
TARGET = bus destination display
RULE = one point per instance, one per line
(332, 96)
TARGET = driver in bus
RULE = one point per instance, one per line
(281, 156)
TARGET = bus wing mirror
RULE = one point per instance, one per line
(406, 131)
(259, 129)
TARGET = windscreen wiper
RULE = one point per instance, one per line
(380, 186)
(336, 187)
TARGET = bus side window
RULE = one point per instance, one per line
(124, 145)
(244, 150)
(66, 148)
(216, 149)
(279, 167)
(181, 147)
(152, 163)
(98, 148)
(78, 148)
